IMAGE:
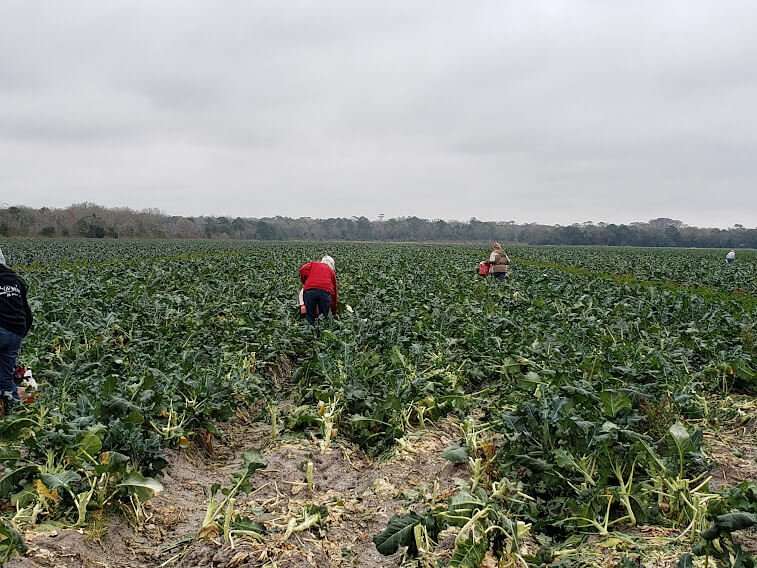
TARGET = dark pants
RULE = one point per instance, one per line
(499, 275)
(316, 302)
(10, 344)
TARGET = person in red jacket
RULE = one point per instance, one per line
(321, 294)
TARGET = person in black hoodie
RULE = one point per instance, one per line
(15, 323)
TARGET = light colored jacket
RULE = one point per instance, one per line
(499, 262)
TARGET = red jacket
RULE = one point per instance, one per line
(317, 275)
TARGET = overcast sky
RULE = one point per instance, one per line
(552, 111)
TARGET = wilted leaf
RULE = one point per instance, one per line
(253, 461)
(111, 462)
(456, 454)
(731, 522)
(463, 504)
(44, 492)
(11, 542)
(398, 533)
(144, 487)
(9, 481)
(679, 434)
(469, 554)
(58, 480)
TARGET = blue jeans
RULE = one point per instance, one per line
(10, 344)
(317, 302)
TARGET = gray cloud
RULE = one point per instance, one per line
(552, 110)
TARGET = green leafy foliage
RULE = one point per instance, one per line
(590, 378)
(741, 497)
(398, 533)
(11, 542)
(469, 554)
(456, 454)
(717, 542)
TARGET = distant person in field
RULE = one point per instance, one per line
(15, 323)
(730, 257)
(320, 290)
(499, 262)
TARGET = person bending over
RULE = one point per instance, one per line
(320, 288)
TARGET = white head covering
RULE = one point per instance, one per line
(328, 260)
(2, 258)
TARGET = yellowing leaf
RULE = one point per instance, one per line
(44, 492)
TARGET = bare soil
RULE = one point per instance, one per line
(360, 494)
(735, 453)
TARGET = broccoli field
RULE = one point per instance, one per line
(596, 409)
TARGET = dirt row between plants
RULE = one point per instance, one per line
(360, 495)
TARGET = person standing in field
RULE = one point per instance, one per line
(499, 262)
(730, 257)
(15, 323)
(320, 289)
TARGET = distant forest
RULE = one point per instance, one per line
(93, 221)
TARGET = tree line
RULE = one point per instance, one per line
(93, 221)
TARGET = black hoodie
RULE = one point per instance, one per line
(15, 314)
